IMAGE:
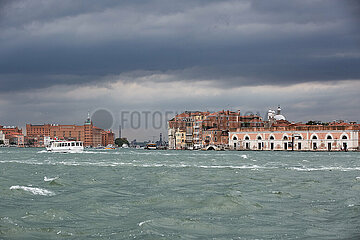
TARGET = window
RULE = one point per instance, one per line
(328, 137)
(235, 138)
(344, 137)
(285, 138)
(247, 138)
(259, 138)
(314, 137)
(73, 144)
(272, 138)
(299, 146)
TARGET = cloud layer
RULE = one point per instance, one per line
(178, 54)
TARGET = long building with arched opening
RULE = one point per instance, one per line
(298, 137)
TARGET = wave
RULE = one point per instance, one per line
(140, 224)
(309, 169)
(33, 190)
(244, 156)
(46, 179)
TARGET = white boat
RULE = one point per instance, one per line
(65, 146)
(151, 146)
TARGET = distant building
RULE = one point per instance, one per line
(230, 130)
(197, 129)
(89, 134)
(300, 137)
(12, 135)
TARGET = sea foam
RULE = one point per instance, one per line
(33, 190)
(46, 179)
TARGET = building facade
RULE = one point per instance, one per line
(335, 137)
(92, 136)
(11, 135)
(229, 130)
(201, 129)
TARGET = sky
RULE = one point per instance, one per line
(60, 60)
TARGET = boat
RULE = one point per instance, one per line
(65, 146)
(110, 146)
(151, 146)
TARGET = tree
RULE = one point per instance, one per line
(120, 141)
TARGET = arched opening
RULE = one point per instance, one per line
(259, 138)
(247, 138)
(235, 138)
(314, 137)
(344, 137)
(272, 138)
(285, 138)
(329, 137)
(211, 148)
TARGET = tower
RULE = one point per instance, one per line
(88, 131)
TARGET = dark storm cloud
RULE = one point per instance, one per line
(233, 43)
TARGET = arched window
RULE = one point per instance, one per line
(328, 137)
(285, 138)
(344, 137)
(314, 137)
(247, 138)
(272, 138)
(235, 138)
(259, 137)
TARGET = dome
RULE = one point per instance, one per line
(279, 117)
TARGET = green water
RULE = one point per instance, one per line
(140, 194)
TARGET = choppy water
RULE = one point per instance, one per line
(123, 194)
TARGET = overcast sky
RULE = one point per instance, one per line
(61, 59)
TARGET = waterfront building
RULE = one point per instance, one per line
(299, 137)
(229, 130)
(12, 135)
(88, 133)
(203, 129)
(10, 130)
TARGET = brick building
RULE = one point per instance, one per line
(88, 133)
(12, 135)
(204, 128)
(336, 136)
(230, 130)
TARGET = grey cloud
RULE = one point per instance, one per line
(238, 42)
(55, 46)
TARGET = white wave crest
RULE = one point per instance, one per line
(46, 179)
(244, 156)
(33, 190)
(140, 224)
(309, 169)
